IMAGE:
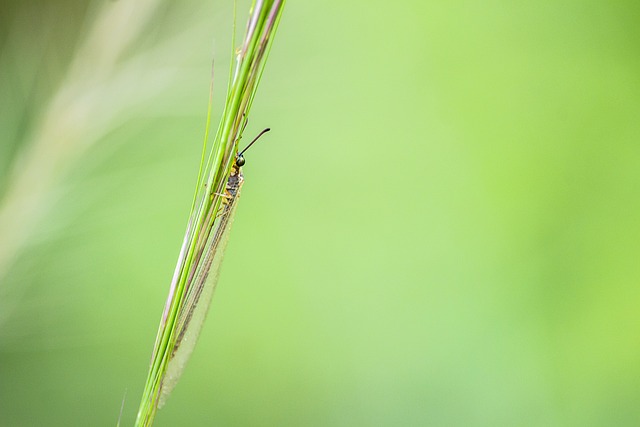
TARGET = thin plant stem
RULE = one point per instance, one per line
(212, 179)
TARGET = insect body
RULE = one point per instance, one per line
(201, 286)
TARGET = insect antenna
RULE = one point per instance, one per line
(239, 158)
(254, 140)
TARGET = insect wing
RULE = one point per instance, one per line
(198, 298)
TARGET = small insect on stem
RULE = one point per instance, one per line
(199, 290)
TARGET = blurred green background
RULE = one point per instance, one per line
(442, 229)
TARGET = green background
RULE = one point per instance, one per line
(442, 229)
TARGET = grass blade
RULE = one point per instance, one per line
(205, 227)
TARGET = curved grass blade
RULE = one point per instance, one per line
(210, 218)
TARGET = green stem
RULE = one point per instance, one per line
(263, 21)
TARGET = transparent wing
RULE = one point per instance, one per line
(197, 300)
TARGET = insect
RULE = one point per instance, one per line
(200, 290)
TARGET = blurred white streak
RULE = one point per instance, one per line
(80, 111)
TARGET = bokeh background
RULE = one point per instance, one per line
(442, 229)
